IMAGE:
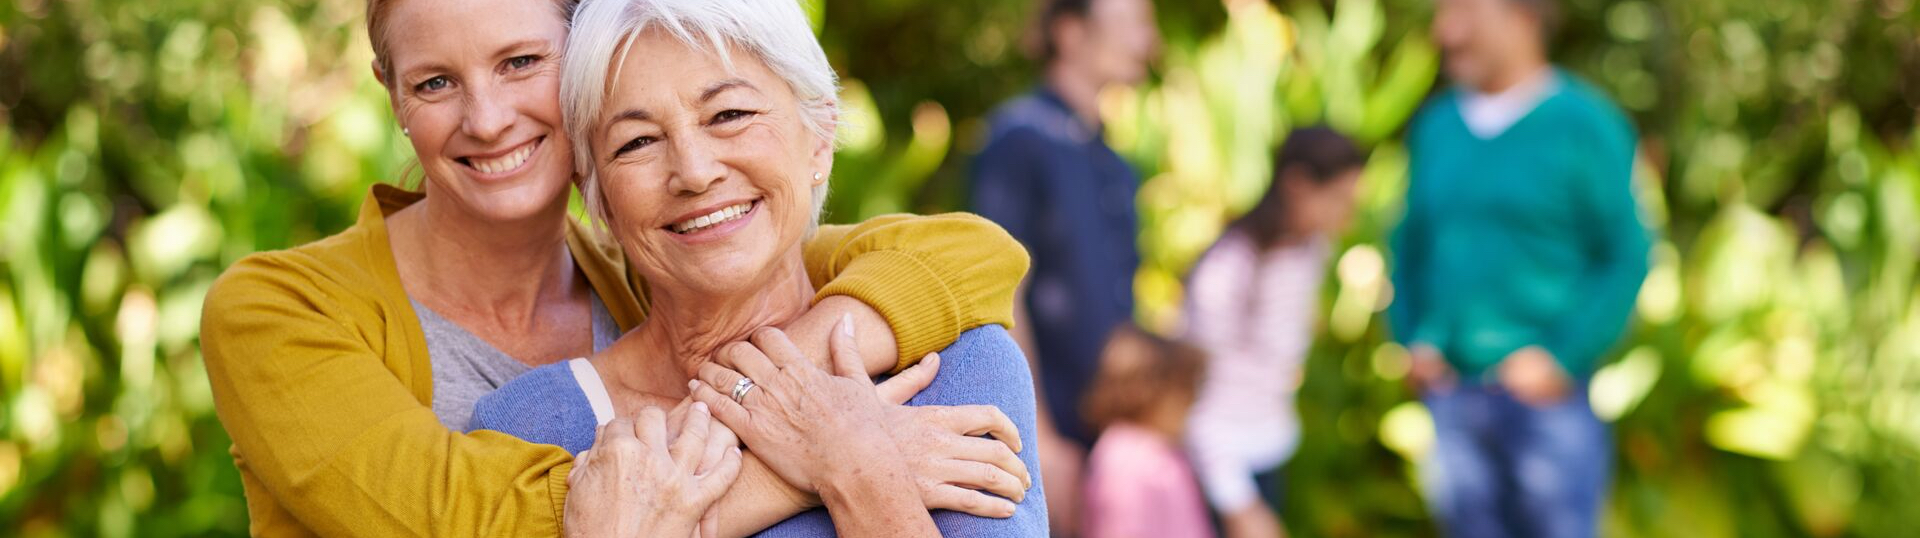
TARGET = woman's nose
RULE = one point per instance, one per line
(695, 168)
(489, 113)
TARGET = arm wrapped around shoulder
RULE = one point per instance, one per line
(932, 277)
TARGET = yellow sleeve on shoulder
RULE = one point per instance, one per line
(304, 379)
(931, 277)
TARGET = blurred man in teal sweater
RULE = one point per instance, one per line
(1515, 269)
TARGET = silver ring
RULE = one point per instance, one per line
(741, 388)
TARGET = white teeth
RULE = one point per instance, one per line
(722, 216)
(508, 162)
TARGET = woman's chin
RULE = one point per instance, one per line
(521, 199)
(729, 275)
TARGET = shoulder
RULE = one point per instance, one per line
(984, 366)
(317, 276)
(1443, 105)
(544, 405)
(981, 346)
(1030, 123)
(1582, 106)
(1235, 246)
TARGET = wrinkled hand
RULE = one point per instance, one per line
(1428, 372)
(1534, 377)
(635, 482)
(811, 428)
(953, 466)
(720, 442)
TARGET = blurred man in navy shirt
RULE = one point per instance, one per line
(1048, 177)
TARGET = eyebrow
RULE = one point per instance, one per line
(520, 45)
(436, 66)
(722, 86)
(631, 114)
(634, 114)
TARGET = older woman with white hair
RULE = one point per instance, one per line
(704, 132)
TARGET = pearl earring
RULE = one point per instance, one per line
(816, 176)
(406, 132)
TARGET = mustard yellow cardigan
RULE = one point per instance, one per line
(321, 375)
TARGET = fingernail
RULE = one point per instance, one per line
(693, 384)
(700, 407)
(846, 325)
(736, 450)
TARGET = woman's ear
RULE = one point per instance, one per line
(380, 75)
(393, 97)
(823, 150)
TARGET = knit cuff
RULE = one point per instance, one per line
(557, 487)
(916, 301)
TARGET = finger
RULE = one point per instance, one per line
(959, 499)
(690, 447)
(736, 418)
(983, 420)
(994, 453)
(677, 417)
(779, 349)
(580, 463)
(722, 380)
(719, 439)
(715, 484)
(747, 359)
(615, 430)
(651, 428)
(904, 385)
(980, 476)
(710, 524)
(846, 352)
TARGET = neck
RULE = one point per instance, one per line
(479, 265)
(692, 325)
(1522, 71)
(1080, 91)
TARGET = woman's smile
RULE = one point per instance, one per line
(714, 223)
(502, 164)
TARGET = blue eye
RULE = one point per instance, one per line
(433, 84)
(521, 62)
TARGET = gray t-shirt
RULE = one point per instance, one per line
(466, 367)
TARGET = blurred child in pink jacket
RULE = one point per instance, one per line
(1139, 483)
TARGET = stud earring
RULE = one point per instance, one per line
(816, 176)
(406, 132)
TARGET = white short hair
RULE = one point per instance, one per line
(774, 31)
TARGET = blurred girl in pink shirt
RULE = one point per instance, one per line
(1139, 483)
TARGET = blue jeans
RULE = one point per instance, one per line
(1501, 468)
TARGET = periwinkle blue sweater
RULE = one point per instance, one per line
(983, 367)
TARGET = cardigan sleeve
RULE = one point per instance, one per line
(931, 277)
(328, 430)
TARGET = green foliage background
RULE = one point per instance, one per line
(1771, 386)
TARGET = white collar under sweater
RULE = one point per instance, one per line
(1488, 115)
